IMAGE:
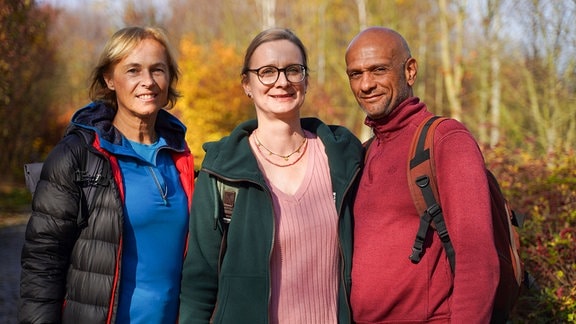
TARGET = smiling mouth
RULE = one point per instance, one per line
(283, 96)
(372, 97)
(147, 96)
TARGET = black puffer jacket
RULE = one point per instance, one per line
(70, 270)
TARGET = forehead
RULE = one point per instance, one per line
(278, 52)
(368, 56)
(371, 50)
(147, 51)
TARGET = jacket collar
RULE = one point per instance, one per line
(98, 117)
(232, 158)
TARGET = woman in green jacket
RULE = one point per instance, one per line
(285, 255)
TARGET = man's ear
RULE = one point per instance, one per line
(410, 70)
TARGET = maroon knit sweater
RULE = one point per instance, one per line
(386, 286)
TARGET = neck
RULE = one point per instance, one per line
(281, 138)
(136, 129)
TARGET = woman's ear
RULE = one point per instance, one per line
(109, 81)
(246, 86)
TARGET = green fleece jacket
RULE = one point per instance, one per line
(235, 287)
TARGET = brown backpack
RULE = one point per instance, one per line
(422, 183)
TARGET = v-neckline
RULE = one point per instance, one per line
(306, 180)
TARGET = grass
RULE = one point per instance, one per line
(14, 206)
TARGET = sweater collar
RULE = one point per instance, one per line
(398, 119)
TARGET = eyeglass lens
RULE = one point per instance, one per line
(270, 74)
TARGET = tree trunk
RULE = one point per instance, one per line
(451, 56)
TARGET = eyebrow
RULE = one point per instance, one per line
(133, 64)
(369, 67)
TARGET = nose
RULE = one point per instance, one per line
(282, 78)
(367, 82)
(148, 79)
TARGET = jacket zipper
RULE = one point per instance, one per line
(342, 266)
(163, 193)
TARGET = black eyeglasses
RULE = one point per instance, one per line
(268, 75)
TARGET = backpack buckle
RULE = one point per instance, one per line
(416, 255)
(434, 210)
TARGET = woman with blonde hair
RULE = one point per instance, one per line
(106, 239)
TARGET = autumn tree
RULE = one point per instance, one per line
(213, 101)
(268, 9)
(486, 80)
(460, 59)
(231, 22)
(141, 13)
(547, 73)
(26, 67)
(536, 107)
(451, 49)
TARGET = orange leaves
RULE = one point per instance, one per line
(213, 101)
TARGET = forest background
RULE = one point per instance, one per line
(505, 68)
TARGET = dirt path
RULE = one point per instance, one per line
(11, 240)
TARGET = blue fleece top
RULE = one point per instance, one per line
(155, 226)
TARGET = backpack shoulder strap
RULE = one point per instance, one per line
(424, 190)
(421, 163)
(228, 195)
(224, 202)
(82, 178)
(88, 178)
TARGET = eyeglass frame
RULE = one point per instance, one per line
(278, 70)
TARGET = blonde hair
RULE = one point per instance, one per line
(117, 48)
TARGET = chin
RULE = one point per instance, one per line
(372, 113)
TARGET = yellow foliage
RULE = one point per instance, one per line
(213, 101)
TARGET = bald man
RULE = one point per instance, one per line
(386, 286)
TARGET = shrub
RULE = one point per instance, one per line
(544, 190)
